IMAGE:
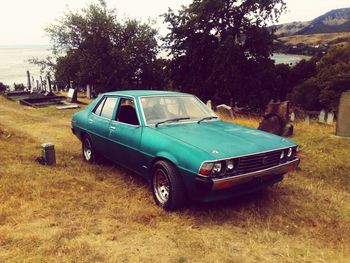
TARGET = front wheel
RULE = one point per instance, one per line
(167, 186)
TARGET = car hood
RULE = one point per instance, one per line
(223, 140)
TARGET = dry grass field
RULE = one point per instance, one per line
(317, 39)
(76, 212)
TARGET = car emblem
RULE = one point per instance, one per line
(215, 152)
(264, 160)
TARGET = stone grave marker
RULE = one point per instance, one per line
(322, 116)
(72, 95)
(224, 110)
(330, 118)
(209, 104)
(48, 153)
(276, 119)
(88, 91)
(279, 108)
(292, 117)
(343, 121)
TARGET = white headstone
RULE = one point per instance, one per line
(72, 95)
(292, 117)
(322, 116)
(330, 118)
(209, 105)
(88, 91)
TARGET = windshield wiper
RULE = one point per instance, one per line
(172, 120)
(207, 118)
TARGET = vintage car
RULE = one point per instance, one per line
(181, 147)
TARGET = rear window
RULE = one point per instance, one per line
(99, 107)
(106, 107)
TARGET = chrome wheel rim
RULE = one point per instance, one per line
(87, 150)
(161, 186)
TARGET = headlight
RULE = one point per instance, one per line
(230, 165)
(217, 168)
(282, 155)
(290, 152)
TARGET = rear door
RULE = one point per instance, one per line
(99, 121)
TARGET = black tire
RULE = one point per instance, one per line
(89, 154)
(174, 195)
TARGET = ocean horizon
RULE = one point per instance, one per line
(14, 61)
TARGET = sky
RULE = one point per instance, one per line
(22, 22)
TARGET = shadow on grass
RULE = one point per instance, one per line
(260, 200)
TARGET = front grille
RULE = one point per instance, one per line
(253, 163)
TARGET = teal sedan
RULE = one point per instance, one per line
(181, 147)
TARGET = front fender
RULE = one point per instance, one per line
(168, 156)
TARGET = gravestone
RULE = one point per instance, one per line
(48, 153)
(224, 110)
(209, 104)
(88, 91)
(276, 119)
(343, 122)
(292, 117)
(29, 81)
(330, 118)
(279, 108)
(322, 116)
(72, 95)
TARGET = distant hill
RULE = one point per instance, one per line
(334, 21)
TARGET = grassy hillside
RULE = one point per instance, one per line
(334, 21)
(75, 212)
(317, 39)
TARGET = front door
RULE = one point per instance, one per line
(125, 134)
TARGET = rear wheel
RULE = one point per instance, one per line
(167, 186)
(89, 153)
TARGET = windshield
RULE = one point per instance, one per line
(162, 108)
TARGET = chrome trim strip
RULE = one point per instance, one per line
(244, 155)
(234, 180)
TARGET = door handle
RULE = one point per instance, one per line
(112, 128)
(91, 120)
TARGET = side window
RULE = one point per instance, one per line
(98, 109)
(108, 107)
(127, 112)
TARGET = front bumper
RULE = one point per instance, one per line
(215, 184)
(228, 182)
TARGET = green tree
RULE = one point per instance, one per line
(330, 78)
(221, 49)
(3, 87)
(92, 46)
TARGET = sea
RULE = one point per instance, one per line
(14, 62)
(290, 59)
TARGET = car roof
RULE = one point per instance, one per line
(141, 93)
